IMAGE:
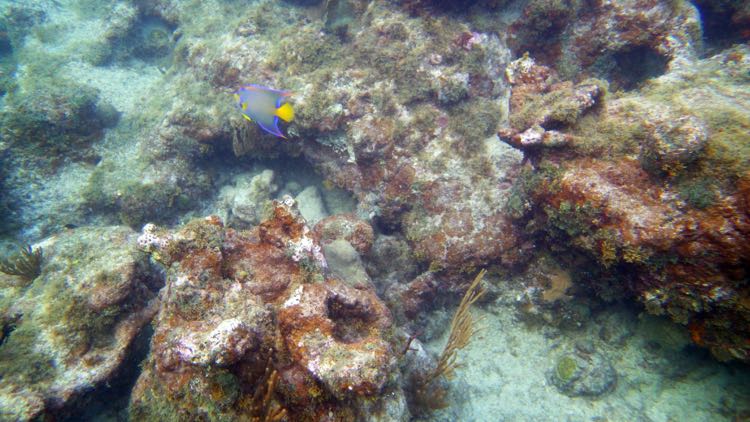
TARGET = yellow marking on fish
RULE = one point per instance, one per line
(285, 112)
(244, 106)
(248, 119)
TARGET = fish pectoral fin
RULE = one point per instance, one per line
(247, 118)
(285, 112)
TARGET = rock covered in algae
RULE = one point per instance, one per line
(71, 329)
(655, 181)
(245, 201)
(607, 39)
(402, 113)
(240, 303)
(345, 227)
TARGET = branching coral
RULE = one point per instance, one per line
(26, 263)
(463, 328)
(264, 408)
(428, 393)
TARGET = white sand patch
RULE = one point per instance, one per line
(127, 89)
(503, 378)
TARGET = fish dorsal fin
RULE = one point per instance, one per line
(285, 112)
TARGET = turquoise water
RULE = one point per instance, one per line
(176, 244)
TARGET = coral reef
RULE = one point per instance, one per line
(239, 304)
(626, 42)
(409, 131)
(70, 329)
(609, 161)
(637, 186)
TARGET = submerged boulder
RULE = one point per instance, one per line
(653, 189)
(252, 322)
(70, 329)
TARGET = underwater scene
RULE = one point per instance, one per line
(386, 210)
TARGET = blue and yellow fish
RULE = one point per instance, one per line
(264, 106)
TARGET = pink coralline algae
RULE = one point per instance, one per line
(239, 302)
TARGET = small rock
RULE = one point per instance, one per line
(248, 197)
(344, 263)
(582, 374)
(672, 142)
(339, 201)
(311, 206)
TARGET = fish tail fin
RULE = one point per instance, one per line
(285, 112)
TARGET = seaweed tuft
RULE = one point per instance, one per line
(26, 263)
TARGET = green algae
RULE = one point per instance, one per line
(602, 135)
(20, 360)
(571, 218)
(726, 155)
(561, 107)
(16, 21)
(566, 368)
(135, 202)
(224, 388)
(8, 62)
(66, 322)
(474, 121)
(34, 118)
(74, 324)
(699, 193)
(529, 183)
(305, 50)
